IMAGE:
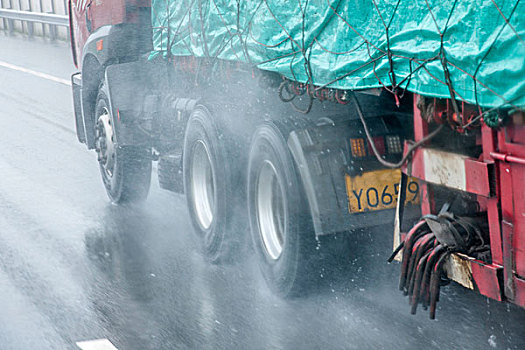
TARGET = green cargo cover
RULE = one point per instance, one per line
(345, 44)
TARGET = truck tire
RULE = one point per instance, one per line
(280, 221)
(212, 191)
(126, 171)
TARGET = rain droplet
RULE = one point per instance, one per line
(492, 341)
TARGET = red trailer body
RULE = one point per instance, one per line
(497, 179)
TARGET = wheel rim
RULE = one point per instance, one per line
(105, 143)
(271, 210)
(202, 186)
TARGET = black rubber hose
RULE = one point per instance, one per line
(424, 294)
(426, 242)
(282, 87)
(413, 259)
(435, 283)
(407, 258)
(409, 240)
(410, 266)
(395, 252)
(419, 276)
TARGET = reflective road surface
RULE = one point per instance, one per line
(75, 268)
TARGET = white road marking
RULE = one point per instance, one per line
(35, 73)
(97, 344)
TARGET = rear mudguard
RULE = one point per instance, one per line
(321, 153)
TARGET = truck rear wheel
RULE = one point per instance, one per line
(280, 222)
(211, 190)
(126, 171)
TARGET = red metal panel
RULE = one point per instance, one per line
(417, 166)
(476, 172)
(514, 153)
(512, 181)
(417, 169)
(520, 291)
(495, 230)
(477, 176)
(118, 10)
(488, 137)
(515, 135)
(507, 207)
(508, 265)
(420, 125)
(486, 279)
(105, 12)
(427, 199)
(79, 30)
(518, 242)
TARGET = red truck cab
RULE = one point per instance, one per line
(88, 16)
(102, 33)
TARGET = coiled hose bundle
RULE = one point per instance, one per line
(425, 250)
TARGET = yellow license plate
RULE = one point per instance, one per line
(377, 190)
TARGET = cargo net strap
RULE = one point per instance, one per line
(470, 52)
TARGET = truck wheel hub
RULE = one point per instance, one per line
(202, 186)
(271, 215)
(105, 143)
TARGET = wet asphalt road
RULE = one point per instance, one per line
(74, 267)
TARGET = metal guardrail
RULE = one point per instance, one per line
(45, 18)
(39, 17)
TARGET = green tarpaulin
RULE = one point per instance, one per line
(476, 48)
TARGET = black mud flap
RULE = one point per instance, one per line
(76, 84)
(128, 86)
(322, 155)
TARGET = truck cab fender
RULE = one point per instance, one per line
(105, 47)
(92, 73)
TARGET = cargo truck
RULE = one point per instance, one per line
(288, 122)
